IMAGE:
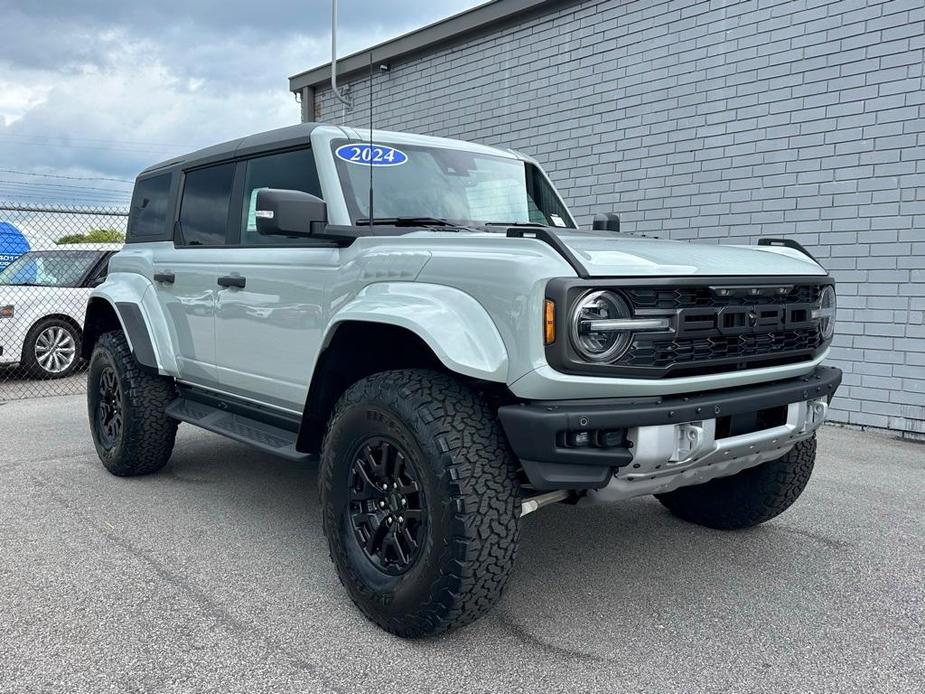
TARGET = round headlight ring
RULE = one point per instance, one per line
(827, 306)
(599, 346)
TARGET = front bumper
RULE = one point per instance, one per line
(656, 444)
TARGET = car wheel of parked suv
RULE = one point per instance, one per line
(131, 431)
(420, 501)
(747, 498)
(51, 349)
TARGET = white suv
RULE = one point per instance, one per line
(43, 297)
(457, 350)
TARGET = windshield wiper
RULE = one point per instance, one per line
(407, 221)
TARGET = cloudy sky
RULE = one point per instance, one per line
(92, 92)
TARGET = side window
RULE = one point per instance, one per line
(204, 207)
(100, 273)
(288, 171)
(542, 202)
(147, 219)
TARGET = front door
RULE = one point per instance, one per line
(268, 331)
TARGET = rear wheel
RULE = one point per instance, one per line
(50, 349)
(420, 501)
(131, 431)
(748, 498)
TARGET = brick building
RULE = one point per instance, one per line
(716, 120)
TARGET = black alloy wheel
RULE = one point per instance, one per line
(109, 409)
(386, 506)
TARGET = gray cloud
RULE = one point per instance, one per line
(106, 88)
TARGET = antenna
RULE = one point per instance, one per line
(370, 138)
(340, 97)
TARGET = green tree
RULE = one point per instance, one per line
(93, 236)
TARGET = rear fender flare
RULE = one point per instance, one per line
(132, 298)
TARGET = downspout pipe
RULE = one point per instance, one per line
(340, 97)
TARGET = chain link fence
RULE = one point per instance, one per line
(51, 256)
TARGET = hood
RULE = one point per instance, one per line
(605, 254)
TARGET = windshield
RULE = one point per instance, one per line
(49, 268)
(411, 181)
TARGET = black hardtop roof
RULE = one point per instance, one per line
(281, 138)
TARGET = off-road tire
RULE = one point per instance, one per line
(147, 434)
(469, 476)
(748, 498)
(30, 363)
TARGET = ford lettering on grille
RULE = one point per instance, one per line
(740, 320)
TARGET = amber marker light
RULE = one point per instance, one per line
(549, 322)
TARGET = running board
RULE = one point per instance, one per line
(268, 438)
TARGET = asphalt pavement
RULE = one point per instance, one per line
(213, 576)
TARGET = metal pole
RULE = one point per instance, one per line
(340, 97)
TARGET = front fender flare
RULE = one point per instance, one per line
(455, 326)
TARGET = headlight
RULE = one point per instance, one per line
(826, 312)
(6, 311)
(595, 326)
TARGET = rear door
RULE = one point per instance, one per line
(185, 273)
(268, 331)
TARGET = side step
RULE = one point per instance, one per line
(267, 437)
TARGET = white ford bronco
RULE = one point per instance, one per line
(425, 315)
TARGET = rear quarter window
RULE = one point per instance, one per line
(148, 218)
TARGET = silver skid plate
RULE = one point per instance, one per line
(677, 455)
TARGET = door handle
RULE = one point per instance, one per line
(232, 281)
(165, 277)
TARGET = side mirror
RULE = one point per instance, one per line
(289, 213)
(606, 222)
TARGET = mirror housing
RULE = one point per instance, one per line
(289, 213)
(608, 221)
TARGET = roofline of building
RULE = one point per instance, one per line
(481, 19)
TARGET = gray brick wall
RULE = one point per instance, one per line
(719, 120)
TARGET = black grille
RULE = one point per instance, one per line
(675, 352)
(715, 325)
(652, 352)
(696, 297)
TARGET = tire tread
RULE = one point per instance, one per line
(749, 498)
(481, 475)
(149, 434)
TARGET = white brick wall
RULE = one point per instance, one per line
(720, 120)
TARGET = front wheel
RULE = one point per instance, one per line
(420, 501)
(747, 498)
